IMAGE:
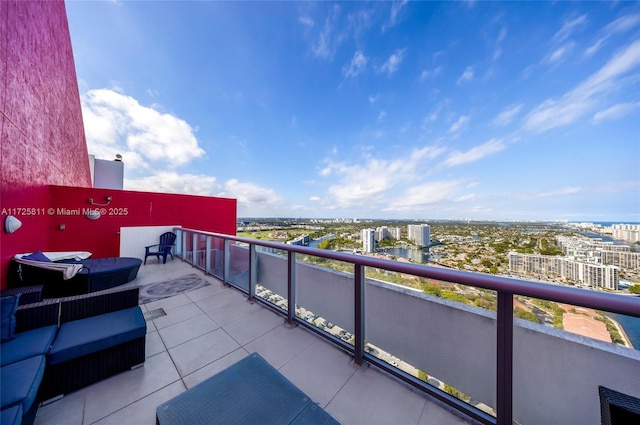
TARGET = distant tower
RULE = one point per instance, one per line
(368, 240)
(419, 233)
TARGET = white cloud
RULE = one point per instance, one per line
(426, 193)
(314, 198)
(396, 8)
(329, 37)
(431, 73)
(357, 66)
(306, 21)
(569, 27)
(394, 61)
(172, 182)
(594, 47)
(459, 125)
(381, 116)
(560, 53)
(615, 112)
(467, 75)
(373, 99)
(563, 191)
(502, 35)
(251, 194)
(116, 123)
(505, 117)
(586, 96)
(475, 154)
(622, 24)
(368, 182)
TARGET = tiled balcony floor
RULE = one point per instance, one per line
(208, 329)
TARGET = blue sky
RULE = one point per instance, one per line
(417, 110)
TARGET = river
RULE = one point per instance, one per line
(631, 326)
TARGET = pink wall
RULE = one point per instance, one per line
(43, 154)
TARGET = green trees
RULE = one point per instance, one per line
(635, 289)
(526, 315)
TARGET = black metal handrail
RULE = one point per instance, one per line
(505, 288)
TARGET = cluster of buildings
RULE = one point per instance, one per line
(624, 232)
(588, 262)
(418, 233)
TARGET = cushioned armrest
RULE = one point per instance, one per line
(96, 303)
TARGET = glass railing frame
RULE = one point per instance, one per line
(504, 287)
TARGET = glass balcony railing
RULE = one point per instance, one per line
(492, 347)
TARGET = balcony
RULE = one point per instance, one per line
(208, 329)
(368, 350)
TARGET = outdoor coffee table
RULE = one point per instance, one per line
(250, 391)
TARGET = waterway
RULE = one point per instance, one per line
(631, 326)
(416, 255)
(314, 242)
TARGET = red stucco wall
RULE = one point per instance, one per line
(43, 138)
(129, 208)
(44, 164)
(41, 131)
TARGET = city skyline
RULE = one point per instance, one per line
(466, 110)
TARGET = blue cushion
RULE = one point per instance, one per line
(27, 344)
(11, 416)
(86, 336)
(37, 256)
(20, 381)
(8, 307)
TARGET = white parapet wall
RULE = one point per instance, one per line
(556, 373)
(134, 239)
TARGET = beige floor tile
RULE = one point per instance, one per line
(199, 352)
(253, 325)
(143, 411)
(211, 369)
(281, 344)
(380, 400)
(187, 330)
(117, 392)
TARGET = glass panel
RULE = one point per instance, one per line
(570, 351)
(271, 282)
(216, 257)
(201, 245)
(442, 333)
(325, 295)
(239, 265)
(187, 243)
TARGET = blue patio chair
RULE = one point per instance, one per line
(167, 241)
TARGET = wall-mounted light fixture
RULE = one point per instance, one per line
(11, 224)
(108, 198)
(93, 214)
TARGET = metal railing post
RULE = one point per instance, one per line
(194, 247)
(227, 262)
(253, 261)
(358, 283)
(504, 369)
(207, 263)
(291, 286)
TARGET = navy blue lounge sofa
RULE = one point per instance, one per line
(97, 274)
(58, 346)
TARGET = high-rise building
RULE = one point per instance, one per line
(419, 233)
(368, 240)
